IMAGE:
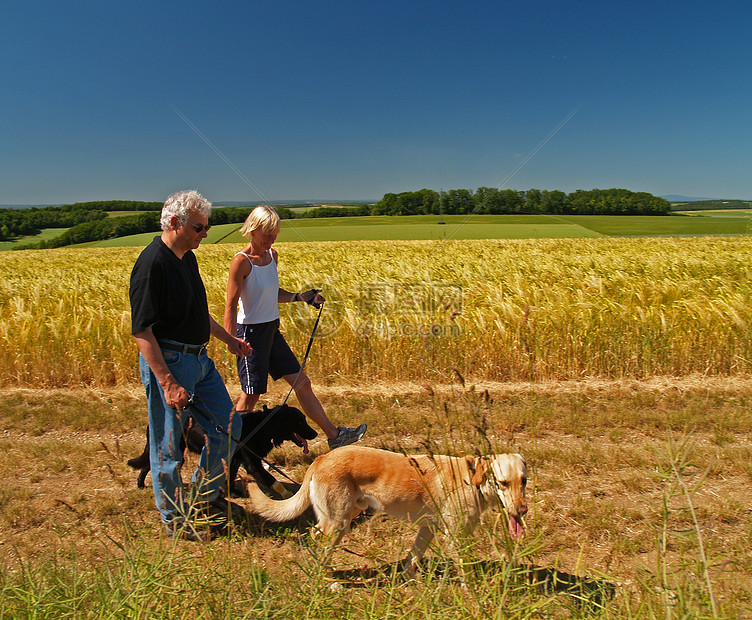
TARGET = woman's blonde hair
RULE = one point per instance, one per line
(263, 217)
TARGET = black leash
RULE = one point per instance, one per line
(194, 407)
(200, 414)
(308, 350)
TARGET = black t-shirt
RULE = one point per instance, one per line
(167, 294)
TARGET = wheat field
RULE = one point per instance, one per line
(496, 310)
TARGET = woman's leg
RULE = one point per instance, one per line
(246, 402)
(254, 368)
(310, 403)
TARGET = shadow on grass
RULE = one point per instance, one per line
(255, 526)
(554, 581)
(548, 581)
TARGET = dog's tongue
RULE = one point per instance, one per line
(515, 527)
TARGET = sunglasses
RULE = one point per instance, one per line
(199, 228)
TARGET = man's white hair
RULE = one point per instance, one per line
(180, 204)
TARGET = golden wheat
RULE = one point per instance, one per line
(503, 310)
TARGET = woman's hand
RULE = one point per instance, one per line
(312, 297)
(238, 346)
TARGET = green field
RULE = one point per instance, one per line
(45, 235)
(673, 226)
(428, 227)
(434, 227)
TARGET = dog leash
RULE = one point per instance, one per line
(308, 351)
(199, 413)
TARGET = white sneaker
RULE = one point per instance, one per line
(346, 436)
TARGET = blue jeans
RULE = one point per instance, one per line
(198, 375)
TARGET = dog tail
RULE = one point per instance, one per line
(281, 510)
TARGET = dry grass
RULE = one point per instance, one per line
(600, 505)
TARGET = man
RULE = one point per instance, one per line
(171, 325)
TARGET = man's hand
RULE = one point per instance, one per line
(176, 395)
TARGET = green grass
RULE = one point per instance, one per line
(125, 213)
(45, 235)
(718, 212)
(407, 228)
(433, 227)
(629, 225)
(428, 227)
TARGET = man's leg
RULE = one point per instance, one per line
(216, 404)
(165, 428)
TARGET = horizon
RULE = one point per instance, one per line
(332, 201)
(254, 102)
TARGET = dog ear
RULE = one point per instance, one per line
(522, 458)
(479, 467)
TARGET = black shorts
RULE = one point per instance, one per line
(271, 355)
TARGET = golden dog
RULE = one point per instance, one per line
(432, 490)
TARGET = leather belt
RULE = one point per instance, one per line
(191, 349)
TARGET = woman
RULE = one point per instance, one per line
(252, 313)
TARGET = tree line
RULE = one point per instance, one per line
(487, 200)
(16, 223)
(712, 205)
(97, 226)
(90, 221)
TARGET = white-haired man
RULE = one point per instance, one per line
(171, 325)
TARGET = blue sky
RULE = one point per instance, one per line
(349, 100)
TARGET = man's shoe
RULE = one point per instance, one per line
(221, 508)
(346, 436)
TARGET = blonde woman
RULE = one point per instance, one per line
(252, 313)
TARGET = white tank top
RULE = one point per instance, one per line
(258, 294)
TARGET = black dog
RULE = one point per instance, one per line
(262, 430)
